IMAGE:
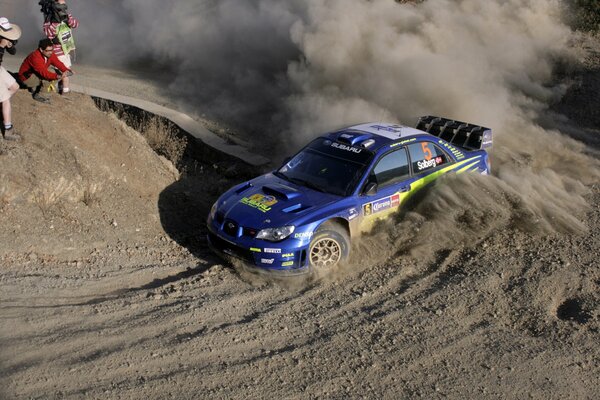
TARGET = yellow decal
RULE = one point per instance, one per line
(466, 168)
(457, 153)
(259, 201)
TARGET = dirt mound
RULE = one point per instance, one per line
(80, 179)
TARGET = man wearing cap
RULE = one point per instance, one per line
(9, 34)
(36, 68)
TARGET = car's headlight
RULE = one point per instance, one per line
(213, 211)
(275, 234)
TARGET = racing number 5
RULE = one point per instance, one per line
(426, 151)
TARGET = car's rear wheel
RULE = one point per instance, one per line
(329, 247)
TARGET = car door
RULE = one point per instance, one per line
(392, 177)
(428, 161)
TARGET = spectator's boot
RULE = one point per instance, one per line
(11, 134)
(40, 98)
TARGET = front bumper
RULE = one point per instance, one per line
(257, 258)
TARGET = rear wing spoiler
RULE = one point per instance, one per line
(461, 134)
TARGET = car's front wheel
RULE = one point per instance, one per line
(329, 247)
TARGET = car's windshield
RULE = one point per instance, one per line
(327, 166)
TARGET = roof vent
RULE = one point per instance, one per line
(352, 138)
(367, 143)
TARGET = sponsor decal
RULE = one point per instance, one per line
(254, 249)
(259, 201)
(392, 128)
(346, 136)
(267, 260)
(303, 235)
(381, 204)
(352, 213)
(434, 162)
(346, 147)
(272, 251)
(288, 255)
(287, 264)
(403, 142)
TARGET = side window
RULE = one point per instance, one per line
(390, 168)
(425, 156)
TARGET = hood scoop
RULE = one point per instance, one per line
(281, 191)
(245, 187)
(296, 208)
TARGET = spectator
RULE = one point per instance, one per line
(9, 34)
(35, 69)
(58, 25)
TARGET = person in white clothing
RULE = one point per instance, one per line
(9, 34)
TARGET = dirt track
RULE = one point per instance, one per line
(108, 291)
(127, 311)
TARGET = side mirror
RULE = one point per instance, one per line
(371, 189)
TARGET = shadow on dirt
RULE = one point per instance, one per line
(205, 173)
(120, 294)
(184, 205)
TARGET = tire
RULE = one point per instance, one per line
(329, 247)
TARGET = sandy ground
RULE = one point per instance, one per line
(107, 290)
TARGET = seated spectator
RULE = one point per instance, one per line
(39, 66)
(9, 34)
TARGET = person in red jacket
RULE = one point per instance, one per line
(39, 66)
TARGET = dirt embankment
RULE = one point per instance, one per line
(107, 290)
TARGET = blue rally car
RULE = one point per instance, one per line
(302, 216)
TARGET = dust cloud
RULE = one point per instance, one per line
(486, 62)
(289, 70)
